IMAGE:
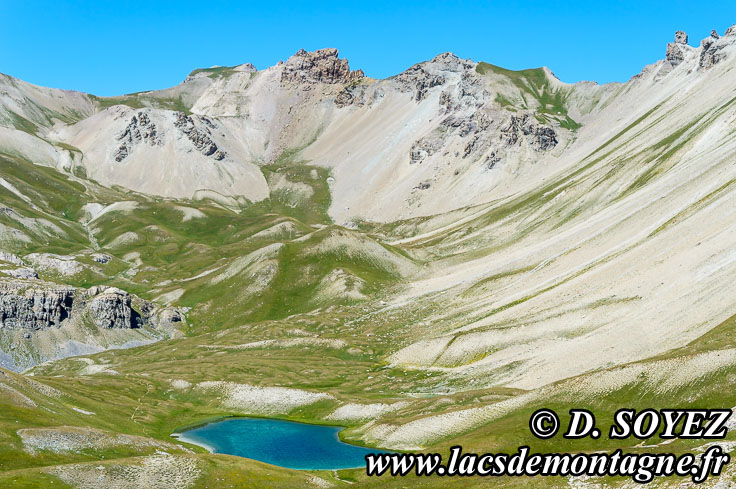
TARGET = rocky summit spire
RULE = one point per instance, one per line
(321, 66)
(675, 50)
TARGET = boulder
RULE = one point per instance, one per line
(101, 258)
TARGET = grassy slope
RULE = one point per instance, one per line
(533, 84)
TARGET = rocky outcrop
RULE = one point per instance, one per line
(448, 70)
(450, 62)
(140, 129)
(443, 69)
(246, 68)
(321, 66)
(418, 80)
(200, 137)
(674, 54)
(112, 309)
(101, 258)
(359, 95)
(481, 133)
(711, 51)
(425, 147)
(170, 317)
(421, 77)
(676, 50)
(34, 307)
(540, 137)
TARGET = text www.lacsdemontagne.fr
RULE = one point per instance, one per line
(640, 467)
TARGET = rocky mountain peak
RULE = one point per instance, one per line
(451, 62)
(424, 76)
(321, 66)
(680, 37)
(246, 68)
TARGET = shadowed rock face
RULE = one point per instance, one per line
(675, 50)
(34, 308)
(111, 309)
(321, 66)
(42, 321)
(712, 53)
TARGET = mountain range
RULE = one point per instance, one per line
(424, 259)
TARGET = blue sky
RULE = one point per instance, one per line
(109, 48)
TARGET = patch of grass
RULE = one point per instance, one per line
(552, 103)
(503, 101)
(107, 102)
(694, 207)
(68, 147)
(22, 124)
(215, 72)
(143, 100)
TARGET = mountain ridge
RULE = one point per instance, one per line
(256, 133)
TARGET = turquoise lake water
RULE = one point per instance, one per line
(283, 443)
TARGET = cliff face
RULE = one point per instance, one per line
(35, 307)
(112, 309)
(41, 321)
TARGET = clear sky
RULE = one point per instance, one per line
(114, 47)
